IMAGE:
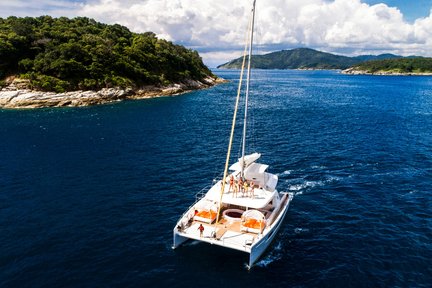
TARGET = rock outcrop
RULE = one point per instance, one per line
(16, 95)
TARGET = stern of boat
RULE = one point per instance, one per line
(178, 239)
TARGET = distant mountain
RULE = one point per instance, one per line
(363, 58)
(304, 58)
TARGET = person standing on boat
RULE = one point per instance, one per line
(245, 187)
(236, 187)
(252, 189)
(201, 229)
(231, 182)
(240, 185)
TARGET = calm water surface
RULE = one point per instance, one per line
(89, 196)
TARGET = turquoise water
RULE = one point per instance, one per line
(89, 196)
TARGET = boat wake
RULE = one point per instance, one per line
(300, 185)
(192, 243)
(274, 255)
(301, 230)
(286, 172)
(305, 185)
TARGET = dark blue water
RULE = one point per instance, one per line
(89, 196)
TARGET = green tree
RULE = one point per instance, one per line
(80, 53)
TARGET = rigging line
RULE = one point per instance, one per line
(252, 136)
(247, 89)
(234, 118)
(252, 142)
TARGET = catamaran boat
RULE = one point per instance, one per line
(243, 210)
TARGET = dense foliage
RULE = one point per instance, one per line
(303, 58)
(400, 65)
(62, 54)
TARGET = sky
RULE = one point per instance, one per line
(216, 29)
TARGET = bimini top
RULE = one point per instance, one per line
(255, 168)
(248, 160)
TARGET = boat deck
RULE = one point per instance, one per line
(256, 198)
(226, 234)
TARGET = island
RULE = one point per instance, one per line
(310, 59)
(399, 66)
(304, 59)
(52, 62)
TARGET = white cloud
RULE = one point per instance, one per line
(22, 8)
(340, 25)
(217, 28)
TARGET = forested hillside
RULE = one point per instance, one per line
(300, 58)
(303, 58)
(61, 54)
(401, 65)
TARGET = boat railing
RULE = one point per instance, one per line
(198, 196)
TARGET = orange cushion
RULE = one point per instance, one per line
(253, 223)
(206, 214)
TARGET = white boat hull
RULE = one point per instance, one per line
(260, 247)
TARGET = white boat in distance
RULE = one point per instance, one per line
(243, 210)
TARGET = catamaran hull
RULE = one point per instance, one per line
(258, 249)
(178, 240)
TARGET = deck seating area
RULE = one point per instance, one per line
(206, 216)
(253, 221)
(253, 226)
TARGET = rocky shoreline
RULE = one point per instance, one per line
(16, 96)
(353, 71)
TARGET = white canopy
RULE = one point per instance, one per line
(248, 160)
(255, 214)
(256, 168)
(256, 173)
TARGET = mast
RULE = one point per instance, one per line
(250, 27)
(247, 89)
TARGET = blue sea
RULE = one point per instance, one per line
(89, 196)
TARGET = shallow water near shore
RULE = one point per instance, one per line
(89, 196)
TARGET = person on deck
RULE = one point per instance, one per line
(252, 189)
(231, 182)
(201, 229)
(240, 185)
(245, 187)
